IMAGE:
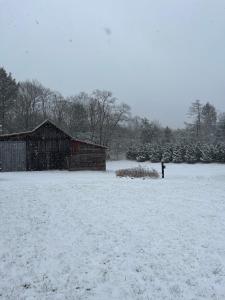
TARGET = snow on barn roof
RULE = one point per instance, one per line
(33, 130)
(49, 122)
(15, 133)
(89, 143)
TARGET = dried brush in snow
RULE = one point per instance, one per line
(137, 172)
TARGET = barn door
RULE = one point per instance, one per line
(13, 155)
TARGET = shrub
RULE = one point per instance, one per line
(132, 152)
(178, 154)
(156, 153)
(137, 172)
(219, 154)
(190, 154)
(167, 153)
(141, 158)
(207, 153)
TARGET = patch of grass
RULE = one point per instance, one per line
(138, 172)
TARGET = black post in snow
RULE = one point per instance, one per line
(163, 167)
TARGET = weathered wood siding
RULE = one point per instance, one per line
(87, 157)
(13, 155)
(48, 148)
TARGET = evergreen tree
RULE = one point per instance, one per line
(142, 154)
(156, 153)
(8, 92)
(209, 118)
(167, 135)
(178, 154)
(219, 153)
(167, 153)
(132, 152)
(207, 153)
(198, 152)
(190, 154)
(141, 158)
(195, 112)
(220, 129)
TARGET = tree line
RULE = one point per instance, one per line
(96, 116)
(178, 153)
(101, 118)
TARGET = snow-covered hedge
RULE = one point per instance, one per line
(178, 153)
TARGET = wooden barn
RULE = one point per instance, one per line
(47, 147)
(87, 156)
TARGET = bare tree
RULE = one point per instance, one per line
(104, 115)
(151, 132)
(77, 115)
(117, 116)
(44, 101)
(59, 110)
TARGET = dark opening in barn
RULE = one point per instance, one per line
(48, 147)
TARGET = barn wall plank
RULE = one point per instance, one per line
(13, 155)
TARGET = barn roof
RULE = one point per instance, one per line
(89, 143)
(15, 134)
(32, 131)
(25, 133)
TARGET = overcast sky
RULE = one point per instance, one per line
(155, 55)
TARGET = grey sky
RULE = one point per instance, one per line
(156, 55)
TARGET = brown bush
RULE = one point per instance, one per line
(137, 172)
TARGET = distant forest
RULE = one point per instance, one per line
(100, 117)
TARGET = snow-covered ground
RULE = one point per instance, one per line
(91, 235)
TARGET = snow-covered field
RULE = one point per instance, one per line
(90, 235)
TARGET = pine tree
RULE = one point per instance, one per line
(219, 153)
(178, 154)
(148, 150)
(209, 118)
(142, 154)
(195, 112)
(141, 158)
(167, 153)
(198, 152)
(132, 152)
(220, 130)
(8, 92)
(156, 154)
(167, 135)
(190, 154)
(207, 153)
